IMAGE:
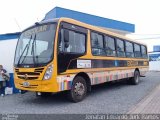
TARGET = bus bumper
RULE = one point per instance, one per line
(36, 85)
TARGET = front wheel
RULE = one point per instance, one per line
(135, 79)
(78, 90)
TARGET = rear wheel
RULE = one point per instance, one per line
(78, 90)
(135, 79)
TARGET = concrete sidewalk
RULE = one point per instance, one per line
(149, 104)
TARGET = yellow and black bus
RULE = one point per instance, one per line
(67, 55)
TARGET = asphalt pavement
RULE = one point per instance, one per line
(106, 98)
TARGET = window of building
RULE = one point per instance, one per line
(120, 48)
(97, 44)
(144, 51)
(137, 50)
(129, 49)
(110, 46)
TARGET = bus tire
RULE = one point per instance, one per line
(135, 79)
(78, 90)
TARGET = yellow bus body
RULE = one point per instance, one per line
(63, 81)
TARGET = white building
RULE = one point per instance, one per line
(7, 49)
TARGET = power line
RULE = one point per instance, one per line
(17, 23)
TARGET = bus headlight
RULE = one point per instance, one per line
(48, 73)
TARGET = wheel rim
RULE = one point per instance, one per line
(79, 89)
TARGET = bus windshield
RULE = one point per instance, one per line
(35, 46)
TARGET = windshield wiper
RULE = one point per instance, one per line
(32, 51)
(26, 47)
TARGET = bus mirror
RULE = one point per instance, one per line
(66, 36)
(66, 44)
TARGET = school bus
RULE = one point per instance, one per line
(67, 55)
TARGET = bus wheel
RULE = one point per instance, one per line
(135, 80)
(78, 90)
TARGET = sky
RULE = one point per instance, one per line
(17, 15)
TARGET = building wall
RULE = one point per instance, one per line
(58, 12)
(156, 48)
(7, 50)
(154, 61)
(154, 65)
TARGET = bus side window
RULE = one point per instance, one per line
(129, 49)
(144, 51)
(97, 44)
(120, 48)
(75, 44)
(110, 46)
(137, 50)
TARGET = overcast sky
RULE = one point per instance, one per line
(16, 15)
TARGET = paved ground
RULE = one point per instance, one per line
(149, 104)
(106, 98)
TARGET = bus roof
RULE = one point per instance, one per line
(42, 22)
(88, 26)
(98, 29)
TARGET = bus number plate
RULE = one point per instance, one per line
(26, 84)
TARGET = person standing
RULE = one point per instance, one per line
(4, 77)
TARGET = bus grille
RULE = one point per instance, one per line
(29, 75)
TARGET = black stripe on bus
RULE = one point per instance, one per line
(110, 63)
